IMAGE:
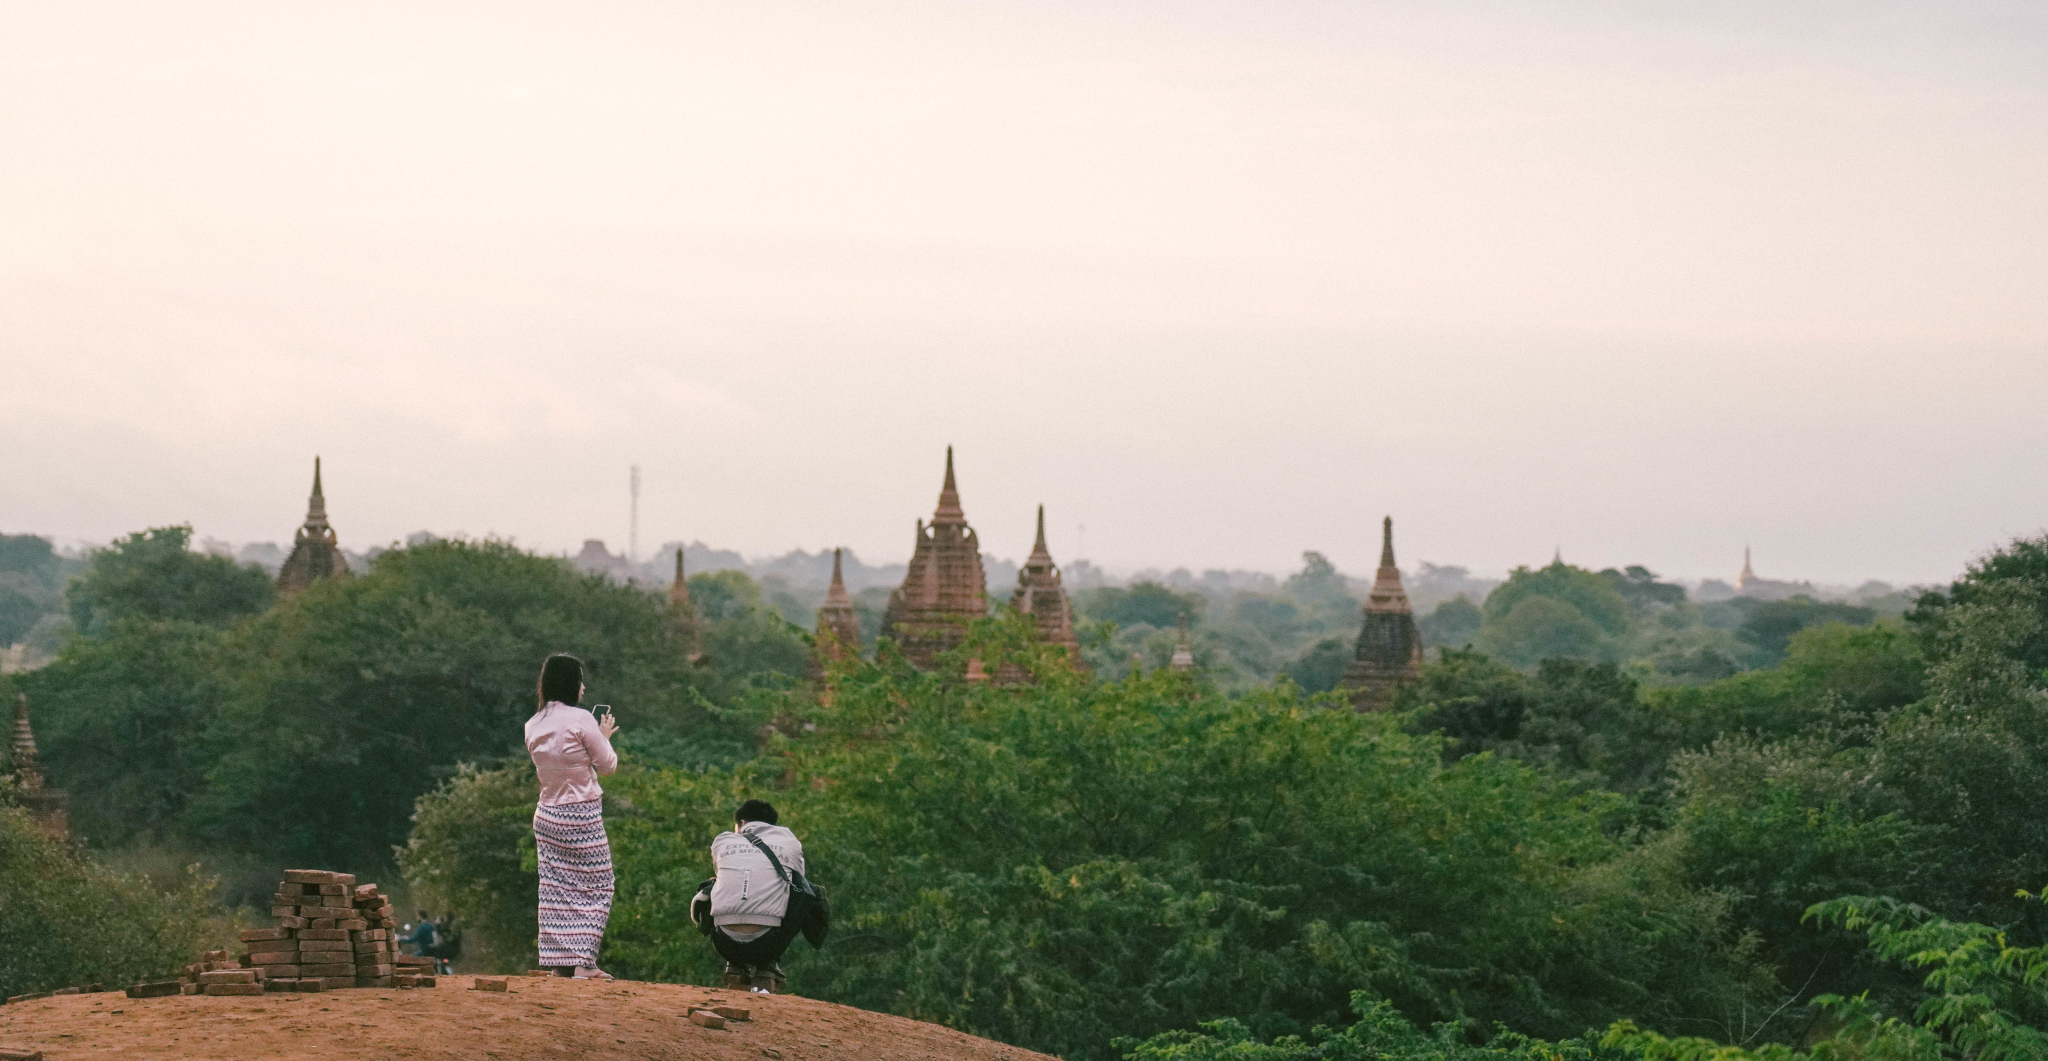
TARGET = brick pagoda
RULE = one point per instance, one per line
(838, 634)
(1041, 595)
(48, 806)
(1389, 646)
(684, 624)
(945, 588)
(315, 553)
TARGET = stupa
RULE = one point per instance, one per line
(945, 588)
(1183, 650)
(1389, 646)
(1040, 595)
(838, 634)
(315, 554)
(685, 627)
(49, 807)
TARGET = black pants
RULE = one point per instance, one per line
(764, 949)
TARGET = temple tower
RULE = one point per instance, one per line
(1183, 659)
(685, 627)
(945, 588)
(49, 807)
(838, 633)
(1040, 595)
(315, 555)
(1389, 647)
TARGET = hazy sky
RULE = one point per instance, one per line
(1646, 281)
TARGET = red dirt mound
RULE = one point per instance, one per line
(540, 1017)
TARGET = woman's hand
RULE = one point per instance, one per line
(607, 725)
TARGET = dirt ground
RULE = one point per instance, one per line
(541, 1017)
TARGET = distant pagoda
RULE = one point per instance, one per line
(315, 554)
(1389, 647)
(50, 808)
(1041, 595)
(838, 634)
(686, 628)
(1183, 649)
(945, 588)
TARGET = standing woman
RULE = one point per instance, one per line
(570, 751)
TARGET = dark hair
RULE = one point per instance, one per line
(561, 678)
(755, 810)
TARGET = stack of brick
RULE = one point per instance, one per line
(332, 933)
(207, 972)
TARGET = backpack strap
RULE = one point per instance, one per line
(772, 860)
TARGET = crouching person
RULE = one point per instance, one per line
(748, 912)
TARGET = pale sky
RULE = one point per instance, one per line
(1221, 281)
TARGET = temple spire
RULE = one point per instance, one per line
(1041, 595)
(684, 625)
(1183, 649)
(838, 632)
(50, 808)
(27, 766)
(949, 510)
(944, 587)
(1389, 649)
(316, 552)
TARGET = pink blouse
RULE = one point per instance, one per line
(569, 753)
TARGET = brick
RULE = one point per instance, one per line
(327, 889)
(291, 921)
(214, 967)
(318, 876)
(732, 1012)
(370, 933)
(323, 944)
(376, 912)
(235, 976)
(336, 983)
(32, 996)
(252, 934)
(215, 956)
(490, 983)
(423, 980)
(375, 946)
(374, 981)
(287, 985)
(351, 923)
(707, 1019)
(157, 989)
(322, 933)
(406, 980)
(283, 971)
(372, 970)
(414, 959)
(323, 971)
(268, 959)
(192, 989)
(365, 891)
(283, 911)
(20, 1053)
(234, 989)
(313, 983)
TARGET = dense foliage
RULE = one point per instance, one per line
(67, 920)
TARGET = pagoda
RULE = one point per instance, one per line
(838, 635)
(1040, 595)
(1183, 659)
(315, 555)
(945, 588)
(685, 627)
(47, 806)
(1389, 646)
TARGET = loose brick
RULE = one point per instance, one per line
(373, 981)
(353, 924)
(234, 989)
(324, 971)
(490, 983)
(291, 921)
(322, 933)
(20, 1053)
(306, 945)
(365, 891)
(192, 989)
(33, 995)
(285, 971)
(215, 956)
(336, 983)
(423, 980)
(414, 959)
(250, 935)
(270, 959)
(732, 1012)
(311, 983)
(329, 889)
(283, 911)
(273, 986)
(372, 970)
(373, 933)
(235, 976)
(157, 989)
(707, 1019)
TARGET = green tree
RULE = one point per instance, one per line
(1771, 624)
(1589, 594)
(152, 575)
(1143, 602)
(1454, 624)
(1539, 628)
(1320, 668)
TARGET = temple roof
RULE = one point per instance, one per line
(945, 587)
(838, 631)
(1389, 649)
(1042, 595)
